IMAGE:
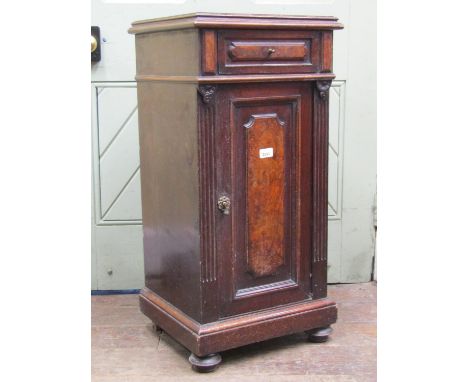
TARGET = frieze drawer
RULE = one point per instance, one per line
(266, 52)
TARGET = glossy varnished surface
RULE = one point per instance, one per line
(270, 50)
(170, 194)
(264, 52)
(229, 87)
(125, 348)
(205, 339)
(300, 45)
(265, 263)
(237, 21)
(265, 193)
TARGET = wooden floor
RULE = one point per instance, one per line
(125, 349)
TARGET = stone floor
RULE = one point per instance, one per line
(125, 348)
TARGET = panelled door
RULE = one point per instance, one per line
(264, 168)
(117, 252)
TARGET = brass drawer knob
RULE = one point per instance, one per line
(224, 205)
(271, 51)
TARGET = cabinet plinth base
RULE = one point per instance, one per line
(232, 332)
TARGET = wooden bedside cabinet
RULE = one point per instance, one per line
(233, 119)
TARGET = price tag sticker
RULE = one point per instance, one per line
(266, 153)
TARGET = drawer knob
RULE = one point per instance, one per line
(224, 205)
(271, 51)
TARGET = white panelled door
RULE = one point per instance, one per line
(117, 250)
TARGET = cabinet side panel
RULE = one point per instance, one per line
(171, 53)
(170, 192)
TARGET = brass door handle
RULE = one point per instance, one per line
(93, 43)
(224, 205)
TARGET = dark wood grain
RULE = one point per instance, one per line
(234, 243)
(209, 51)
(242, 290)
(207, 184)
(319, 211)
(263, 52)
(235, 79)
(204, 339)
(267, 50)
(170, 192)
(235, 21)
(327, 54)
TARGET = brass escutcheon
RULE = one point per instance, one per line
(224, 205)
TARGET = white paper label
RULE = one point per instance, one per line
(266, 153)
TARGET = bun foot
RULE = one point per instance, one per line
(157, 328)
(205, 364)
(319, 334)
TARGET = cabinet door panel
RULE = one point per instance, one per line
(264, 168)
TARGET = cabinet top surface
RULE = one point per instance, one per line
(233, 20)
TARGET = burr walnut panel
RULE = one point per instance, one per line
(265, 193)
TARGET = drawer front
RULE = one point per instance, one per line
(268, 51)
(264, 52)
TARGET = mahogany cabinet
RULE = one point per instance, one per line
(233, 121)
